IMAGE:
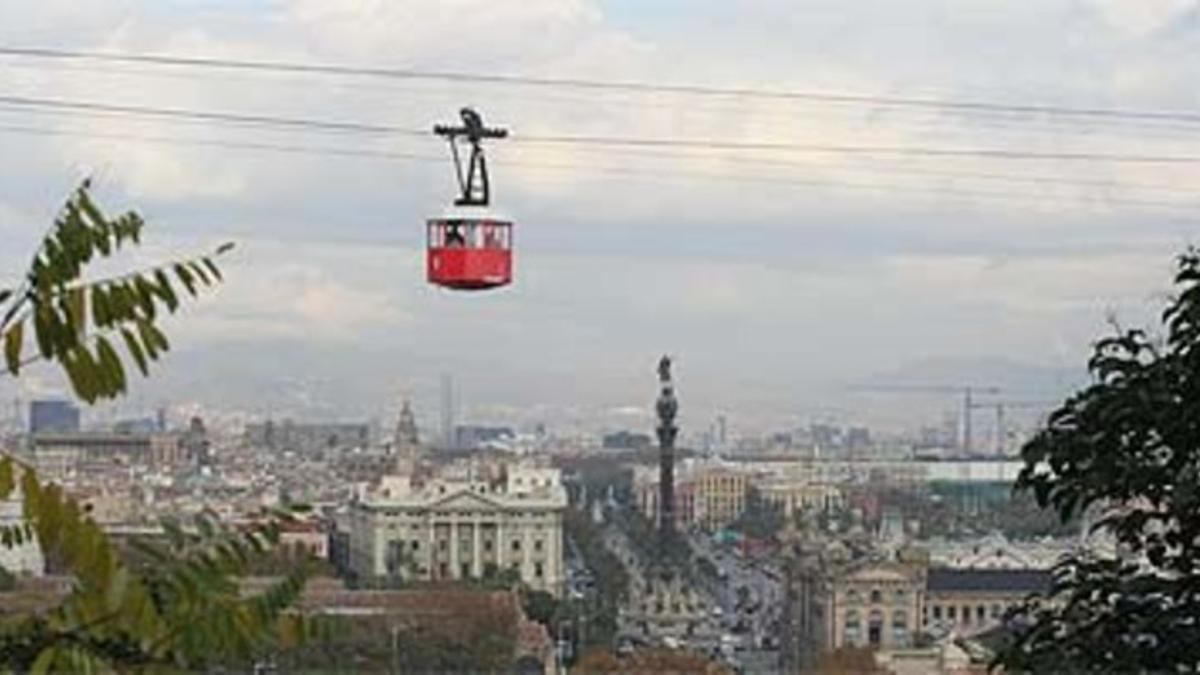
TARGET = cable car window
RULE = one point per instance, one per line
(494, 236)
(456, 235)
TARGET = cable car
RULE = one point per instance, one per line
(469, 247)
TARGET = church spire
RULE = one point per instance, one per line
(406, 441)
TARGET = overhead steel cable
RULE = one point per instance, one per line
(221, 143)
(774, 161)
(1033, 109)
(208, 116)
(821, 148)
(919, 119)
(1040, 180)
(1177, 208)
(609, 141)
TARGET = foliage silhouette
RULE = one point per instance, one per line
(1125, 454)
(184, 610)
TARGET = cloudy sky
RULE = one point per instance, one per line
(777, 277)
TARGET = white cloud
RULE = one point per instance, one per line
(1140, 18)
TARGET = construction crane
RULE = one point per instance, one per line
(969, 401)
(1000, 407)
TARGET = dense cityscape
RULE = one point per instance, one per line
(780, 551)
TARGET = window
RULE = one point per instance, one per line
(852, 597)
(937, 612)
(876, 596)
(966, 615)
(952, 613)
(516, 545)
(900, 597)
(487, 545)
(416, 545)
(395, 556)
(900, 628)
(853, 629)
(464, 570)
(538, 570)
(997, 611)
(537, 545)
(443, 544)
(980, 613)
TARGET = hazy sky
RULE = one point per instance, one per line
(776, 278)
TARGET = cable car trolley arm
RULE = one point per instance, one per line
(474, 185)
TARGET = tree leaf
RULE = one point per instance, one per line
(148, 342)
(7, 482)
(213, 269)
(77, 310)
(185, 277)
(44, 330)
(164, 290)
(110, 363)
(199, 272)
(101, 315)
(145, 296)
(14, 337)
(135, 350)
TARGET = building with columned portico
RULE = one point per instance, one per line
(457, 528)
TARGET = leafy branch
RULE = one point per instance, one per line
(76, 323)
(183, 609)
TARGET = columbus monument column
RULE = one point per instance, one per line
(667, 407)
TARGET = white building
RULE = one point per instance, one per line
(462, 528)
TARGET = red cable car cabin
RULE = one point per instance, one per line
(469, 251)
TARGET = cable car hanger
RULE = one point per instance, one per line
(474, 185)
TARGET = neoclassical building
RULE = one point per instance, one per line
(836, 599)
(462, 528)
(885, 599)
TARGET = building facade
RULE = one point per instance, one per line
(53, 416)
(865, 603)
(455, 529)
(969, 601)
(307, 437)
(718, 494)
(886, 600)
(792, 497)
(710, 495)
(57, 455)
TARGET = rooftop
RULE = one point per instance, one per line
(1011, 580)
